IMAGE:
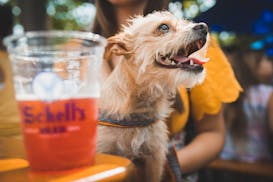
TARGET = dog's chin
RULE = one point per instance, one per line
(190, 79)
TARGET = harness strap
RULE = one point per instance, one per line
(135, 120)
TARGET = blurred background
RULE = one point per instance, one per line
(226, 18)
(243, 28)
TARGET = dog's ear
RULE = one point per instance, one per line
(116, 45)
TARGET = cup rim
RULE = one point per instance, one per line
(58, 33)
(8, 41)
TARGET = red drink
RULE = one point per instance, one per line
(60, 134)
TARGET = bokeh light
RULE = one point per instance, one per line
(190, 8)
(83, 14)
(18, 29)
(16, 11)
(176, 9)
(70, 14)
(3, 2)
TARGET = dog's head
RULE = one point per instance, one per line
(163, 47)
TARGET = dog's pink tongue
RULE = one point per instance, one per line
(181, 59)
(197, 61)
(186, 59)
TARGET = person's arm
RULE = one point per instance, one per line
(270, 113)
(207, 144)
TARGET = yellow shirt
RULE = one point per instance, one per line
(220, 86)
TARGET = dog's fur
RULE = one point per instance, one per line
(139, 85)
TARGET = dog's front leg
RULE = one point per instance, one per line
(154, 167)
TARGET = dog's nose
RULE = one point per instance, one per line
(201, 28)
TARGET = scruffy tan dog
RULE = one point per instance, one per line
(157, 53)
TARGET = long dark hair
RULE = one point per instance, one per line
(105, 22)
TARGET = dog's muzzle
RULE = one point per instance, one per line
(181, 59)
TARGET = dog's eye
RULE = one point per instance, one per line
(163, 28)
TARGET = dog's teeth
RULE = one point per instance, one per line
(199, 44)
(173, 63)
(191, 62)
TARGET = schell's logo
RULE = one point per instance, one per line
(69, 112)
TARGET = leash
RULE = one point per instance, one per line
(173, 166)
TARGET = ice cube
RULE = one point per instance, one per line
(48, 86)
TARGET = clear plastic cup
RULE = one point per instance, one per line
(56, 81)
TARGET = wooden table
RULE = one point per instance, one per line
(106, 167)
(264, 169)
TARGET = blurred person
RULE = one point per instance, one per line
(10, 129)
(5, 29)
(201, 108)
(250, 118)
(9, 120)
(6, 20)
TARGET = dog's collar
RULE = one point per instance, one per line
(133, 120)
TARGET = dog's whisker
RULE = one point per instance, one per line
(171, 54)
